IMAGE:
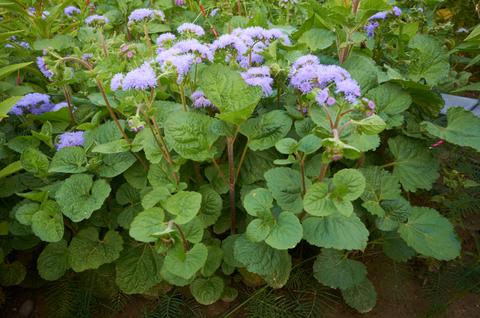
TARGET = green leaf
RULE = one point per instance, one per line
(184, 205)
(138, 269)
(380, 185)
(263, 132)
(35, 162)
(462, 128)
(259, 258)
(286, 187)
(207, 291)
(372, 125)
(53, 261)
(59, 42)
(79, 196)
(430, 60)
(186, 264)
(335, 270)
(12, 274)
(69, 160)
(286, 232)
(363, 69)
(88, 251)
(348, 183)
(258, 202)
(191, 135)
(391, 101)
(226, 89)
(47, 223)
(317, 39)
(214, 260)
(11, 169)
(336, 231)
(115, 164)
(9, 69)
(193, 230)
(147, 224)
(146, 140)
(151, 198)
(430, 234)
(361, 297)
(286, 146)
(259, 229)
(396, 248)
(317, 201)
(395, 212)
(309, 144)
(115, 146)
(25, 212)
(414, 165)
(7, 104)
(211, 206)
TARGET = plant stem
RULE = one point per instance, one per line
(323, 172)
(157, 133)
(242, 158)
(147, 37)
(182, 96)
(186, 246)
(355, 5)
(391, 164)
(102, 42)
(231, 184)
(68, 98)
(302, 174)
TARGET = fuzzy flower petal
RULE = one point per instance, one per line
(259, 76)
(141, 78)
(71, 10)
(70, 139)
(43, 68)
(191, 28)
(96, 19)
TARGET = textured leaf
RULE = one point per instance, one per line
(462, 129)
(69, 160)
(146, 224)
(263, 132)
(333, 269)
(414, 165)
(309, 144)
(286, 233)
(53, 261)
(184, 205)
(363, 69)
(226, 89)
(138, 269)
(214, 260)
(79, 196)
(361, 297)
(286, 146)
(395, 212)
(87, 251)
(207, 290)
(25, 212)
(191, 135)
(258, 202)
(336, 231)
(396, 248)
(186, 264)
(115, 164)
(391, 101)
(35, 162)
(12, 274)
(211, 206)
(371, 125)
(193, 230)
(317, 39)
(47, 223)
(430, 234)
(259, 229)
(286, 188)
(115, 146)
(259, 258)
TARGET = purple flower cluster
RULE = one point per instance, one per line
(246, 45)
(172, 60)
(191, 29)
(59, 106)
(32, 12)
(70, 139)
(34, 103)
(135, 123)
(71, 10)
(165, 40)
(23, 44)
(100, 19)
(42, 66)
(141, 78)
(259, 76)
(180, 3)
(199, 100)
(372, 24)
(144, 14)
(201, 51)
(308, 74)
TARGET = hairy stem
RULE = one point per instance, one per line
(302, 174)
(231, 184)
(186, 246)
(323, 172)
(68, 98)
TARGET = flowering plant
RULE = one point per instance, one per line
(181, 152)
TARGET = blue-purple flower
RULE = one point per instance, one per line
(70, 139)
(42, 66)
(71, 10)
(93, 19)
(116, 81)
(370, 28)
(141, 78)
(180, 3)
(34, 103)
(382, 15)
(259, 76)
(191, 29)
(173, 61)
(397, 11)
(214, 12)
(59, 106)
(201, 51)
(199, 100)
(145, 14)
(165, 41)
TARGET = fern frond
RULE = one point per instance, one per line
(270, 304)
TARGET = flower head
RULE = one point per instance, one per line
(116, 81)
(199, 100)
(42, 66)
(173, 60)
(34, 103)
(144, 14)
(370, 28)
(100, 19)
(180, 3)
(71, 10)
(193, 46)
(190, 28)
(397, 11)
(214, 12)
(382, 15)
(165, 40)
(70, 139)
(141, 78)
(259, 76)
(59, 106)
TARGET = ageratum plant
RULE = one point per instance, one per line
(180, 153)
